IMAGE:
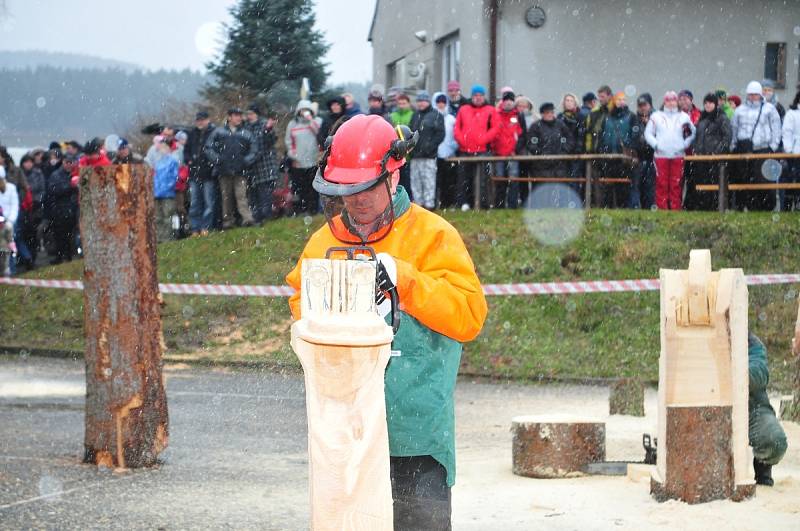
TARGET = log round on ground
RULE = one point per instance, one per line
(556, 447)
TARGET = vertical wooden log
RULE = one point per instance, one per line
(126, 405)
(703, 452)
(344, 347)
(626, 397)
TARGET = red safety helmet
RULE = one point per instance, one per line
(362, 150)
(362, 154)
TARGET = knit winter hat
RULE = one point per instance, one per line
(453, 85)
(423, 95)
(670, 95)
(645, 97)
(478, 89)
(687, 93)
(545, 107)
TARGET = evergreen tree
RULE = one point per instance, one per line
(269, 42)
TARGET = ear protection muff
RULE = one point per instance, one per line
(405, 143)
(399, 149)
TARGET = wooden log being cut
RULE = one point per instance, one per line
(626, 397)
(552, 447)
(703, 451)
(344, 347)
(126, 405)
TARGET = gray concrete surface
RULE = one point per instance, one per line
(237, 460)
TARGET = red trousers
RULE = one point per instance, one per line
(669, 188)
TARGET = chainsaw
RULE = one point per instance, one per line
(620, 468)
(384, 287)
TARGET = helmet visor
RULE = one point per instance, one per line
(361, 218)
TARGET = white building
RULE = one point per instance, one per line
(544, 48)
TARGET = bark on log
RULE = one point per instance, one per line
(699, 461)
(626, 397)
(555, 448)
(126, 405)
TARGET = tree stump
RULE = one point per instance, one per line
(126, 405)
(703, 452)
(550, 447)
(344, 347)
(626, 397)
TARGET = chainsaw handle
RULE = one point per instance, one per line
(395, 313)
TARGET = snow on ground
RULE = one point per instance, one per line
(488, 496)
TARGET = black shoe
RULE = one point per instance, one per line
(763, 473)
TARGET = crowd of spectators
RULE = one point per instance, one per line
(215, 177)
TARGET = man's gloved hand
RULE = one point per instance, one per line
(387, 280)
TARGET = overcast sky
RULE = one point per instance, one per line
(171, 33)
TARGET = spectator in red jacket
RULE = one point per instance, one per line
(510, 140)
(476, 127)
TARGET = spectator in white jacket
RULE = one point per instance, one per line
(446, 171)
(791, 144)
(669, 132)
(756, 127)
(9, 199)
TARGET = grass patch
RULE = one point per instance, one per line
(576, 336)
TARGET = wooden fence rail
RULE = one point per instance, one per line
(588, 179)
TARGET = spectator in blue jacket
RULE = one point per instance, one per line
(164, 179)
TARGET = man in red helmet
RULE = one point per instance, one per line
(441, 306)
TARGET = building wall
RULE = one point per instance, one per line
(643, 45)
(397, 21)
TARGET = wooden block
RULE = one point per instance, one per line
(551, 447)
(703, 385)
(344, 347)
(626, 397)
(640, 472)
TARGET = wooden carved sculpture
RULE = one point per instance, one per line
(344, 347)
(703, 451)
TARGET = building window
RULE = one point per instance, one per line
(451, 59)
(391, 74)
(775, 63)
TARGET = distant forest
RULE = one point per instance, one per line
(43, 103)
